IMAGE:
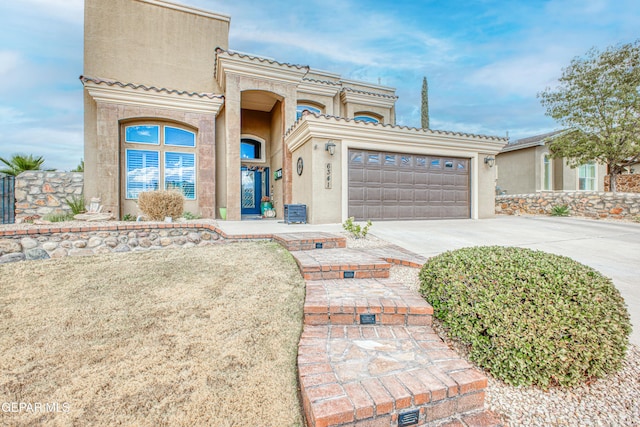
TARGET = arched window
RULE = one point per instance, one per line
(302, 107)
(252, 148)
(159, 155)
(366, 117)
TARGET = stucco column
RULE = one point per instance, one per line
(290, 113)
(232, 141)
(107, 155)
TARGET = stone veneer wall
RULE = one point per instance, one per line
(40, 193)
(53, 241)
(625, 183)
(587, 204)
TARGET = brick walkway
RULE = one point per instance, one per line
(367, 355)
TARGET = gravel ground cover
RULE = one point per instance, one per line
(610, 401)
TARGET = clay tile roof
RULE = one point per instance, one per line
(532, 141)
(386, 125)
(327, 82)
(381, 95)
(260, 59)
(109, 82)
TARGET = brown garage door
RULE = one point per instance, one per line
(399, 186)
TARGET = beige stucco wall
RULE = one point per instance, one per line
(308, 141)
(522, 172)
(517, 171)
(153, 43)
(104, 156)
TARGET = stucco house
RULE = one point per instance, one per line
(525, 166)
(169, 105)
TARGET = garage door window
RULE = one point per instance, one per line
(389, 159)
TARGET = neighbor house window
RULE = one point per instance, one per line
(171, 162)
(302, 107)
(546, 179)
(587, 177)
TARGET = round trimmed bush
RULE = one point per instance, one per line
(529, 317)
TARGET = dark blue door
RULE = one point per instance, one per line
(250, 191)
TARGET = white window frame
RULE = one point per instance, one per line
(161, 148)
(547, 167)
(594, 180)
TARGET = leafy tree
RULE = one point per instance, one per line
(80, 167)
(598, 102)
(20, 163)
(425, 104)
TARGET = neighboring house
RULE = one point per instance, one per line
(525, 166)
(168, 105)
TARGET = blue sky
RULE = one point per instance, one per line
(485, 59)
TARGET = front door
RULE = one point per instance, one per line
(251, 191)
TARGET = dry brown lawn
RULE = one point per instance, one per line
(191, 337)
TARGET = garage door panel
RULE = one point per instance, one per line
(373, 176)
(373, 193)
(390, 194)
(387, 185)
(421, 178)
(406, 195)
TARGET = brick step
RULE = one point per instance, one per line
(340, 264)
(310, 241)
(383, 301)
(366, 375)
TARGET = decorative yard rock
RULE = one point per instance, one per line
(36, 253)
(28, 243)
(8, 246)
(13, 257)
(93, 240)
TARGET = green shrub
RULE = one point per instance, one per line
(128, 217)
(157, 205)
(189, 215)
(356, 230)
(76, 204)
(560, 210)
(58, 217)
(529, 317)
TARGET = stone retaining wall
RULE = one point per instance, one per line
(56, 242)
(625, 183)
(40, 193)
(580, 203)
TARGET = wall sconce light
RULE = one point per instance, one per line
(330, 147)
(490, 161)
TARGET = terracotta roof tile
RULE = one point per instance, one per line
(110, 82)
(381, 95)
(532, 141)
(386, 125)
(260, 59)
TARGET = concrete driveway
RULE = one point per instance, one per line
(610, 247)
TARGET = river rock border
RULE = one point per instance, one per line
(43, 242)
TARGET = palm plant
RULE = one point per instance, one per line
(20, 163)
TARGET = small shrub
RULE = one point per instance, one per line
(529, 317)
(128, 217)
(356, 230)
(189, 215)
(157, 205)
(76, 204)
(58, 217)
(560, 210)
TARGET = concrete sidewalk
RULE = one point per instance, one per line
(613, 248)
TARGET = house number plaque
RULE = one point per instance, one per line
(328, 178)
